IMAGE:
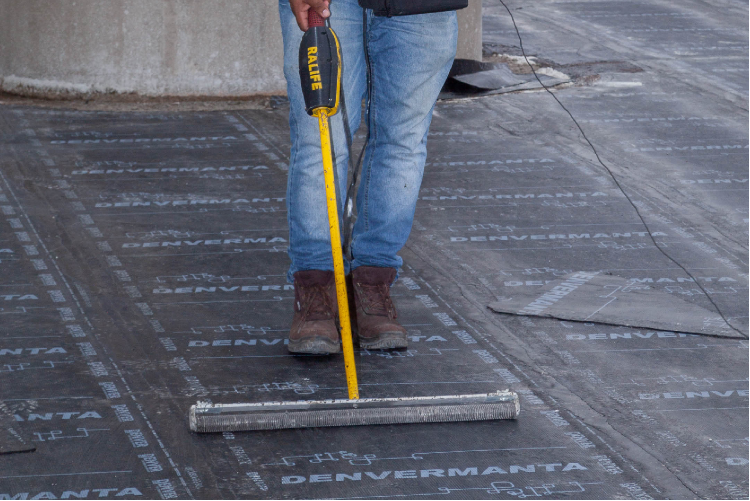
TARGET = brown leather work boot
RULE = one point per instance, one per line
(315, 311)
(375, 314)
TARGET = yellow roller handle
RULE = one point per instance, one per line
(338, 259)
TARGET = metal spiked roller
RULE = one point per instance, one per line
(320, 74)
(206, 417)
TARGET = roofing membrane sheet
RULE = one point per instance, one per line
(142, 267)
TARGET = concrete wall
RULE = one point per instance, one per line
(470, 31)
(151, 47)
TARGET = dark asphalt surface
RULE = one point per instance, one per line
(142, 263)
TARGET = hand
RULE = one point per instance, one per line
(300, 8)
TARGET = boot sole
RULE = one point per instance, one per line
(385, 341)
(314, 346)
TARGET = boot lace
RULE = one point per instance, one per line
(317, 303)
(378, 299)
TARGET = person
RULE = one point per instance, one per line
(409, 58)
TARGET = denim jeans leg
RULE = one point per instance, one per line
(309, 237)
(410, 58)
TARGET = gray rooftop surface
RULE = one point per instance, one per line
(142, 263)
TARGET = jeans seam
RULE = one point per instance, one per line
(373, 136)
(372, 132)
(290, 185)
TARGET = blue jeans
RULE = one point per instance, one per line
(410, 58)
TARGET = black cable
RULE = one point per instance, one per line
(617, 183)
(350, 209)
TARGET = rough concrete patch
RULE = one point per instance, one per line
(518, 63)
(582, 74)
(551, 72)
(493, 49)
(584, 69)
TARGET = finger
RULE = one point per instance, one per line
(321, 7)
(300, 12)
